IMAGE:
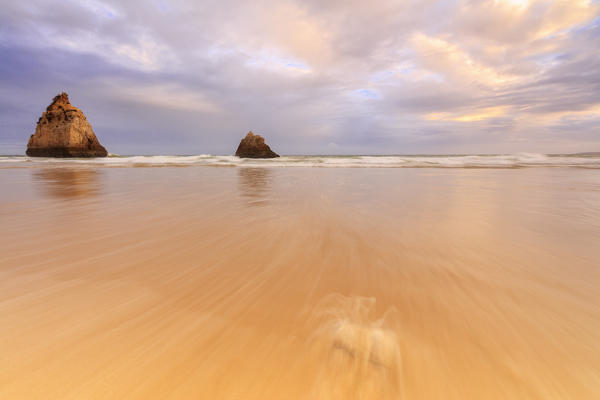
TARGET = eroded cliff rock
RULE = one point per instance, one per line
(63, 131)
(254, 146)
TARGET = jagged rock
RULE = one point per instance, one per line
(254, 146)
(63, 131)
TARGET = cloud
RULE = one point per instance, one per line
(377, 77)
(476, 115)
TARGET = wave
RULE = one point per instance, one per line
(520, 160)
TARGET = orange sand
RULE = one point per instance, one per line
(299, 283)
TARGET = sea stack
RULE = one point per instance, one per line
(254, 146)
(63, 131)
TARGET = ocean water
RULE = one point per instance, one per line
(400, 161)
(270, 282)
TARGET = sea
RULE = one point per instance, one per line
(584, 160)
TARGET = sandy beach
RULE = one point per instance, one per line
(300, 200)
(299, 283)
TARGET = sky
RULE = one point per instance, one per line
(311, 76)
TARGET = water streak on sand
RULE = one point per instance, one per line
(359, 351)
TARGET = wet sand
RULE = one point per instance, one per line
(299, 283)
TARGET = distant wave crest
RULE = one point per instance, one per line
(401, 161)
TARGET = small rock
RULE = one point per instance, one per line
(254, 146)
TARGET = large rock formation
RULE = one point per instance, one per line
(63, 131)
(254, 146)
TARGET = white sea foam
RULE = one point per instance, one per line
(405, 161)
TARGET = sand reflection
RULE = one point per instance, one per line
(68, 183)
(254, 185)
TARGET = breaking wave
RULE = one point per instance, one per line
(401, 161)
